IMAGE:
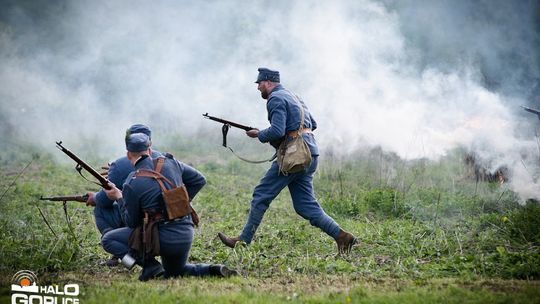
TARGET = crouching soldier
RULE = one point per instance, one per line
(144, 206)
(107, 212)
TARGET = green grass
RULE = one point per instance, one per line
(429, 234)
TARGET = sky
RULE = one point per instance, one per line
(416, 78)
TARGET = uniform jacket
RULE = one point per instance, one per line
(284, 116)
(117, 174)
(141, 193)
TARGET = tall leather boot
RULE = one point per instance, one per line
(345, 241)
(229, 242)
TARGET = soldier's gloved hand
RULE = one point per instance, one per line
(90, 201)
(106, 168)
(114, 193)
(253, 133)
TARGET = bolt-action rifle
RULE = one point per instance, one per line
(103, 182)
(227, 124)
(72, 198)
(537, 112)
(64, 200)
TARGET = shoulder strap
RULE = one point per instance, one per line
(297, 100)
(155, 174)
(159, 164)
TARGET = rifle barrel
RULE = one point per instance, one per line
(232, 124)
(531, 110)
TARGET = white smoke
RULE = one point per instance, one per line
(416, 78)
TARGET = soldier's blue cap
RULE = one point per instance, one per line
(137, 142)
(139, 128)
(267, 74)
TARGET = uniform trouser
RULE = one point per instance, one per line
(175, 240)
(301, 188)
(108, 218)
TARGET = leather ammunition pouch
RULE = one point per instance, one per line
(176, 198)
(293, 154)
(144, 240)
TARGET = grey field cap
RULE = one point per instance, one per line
(267, 74)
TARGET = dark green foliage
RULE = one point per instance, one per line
(385, 202)
(524, 223)
(27, 242)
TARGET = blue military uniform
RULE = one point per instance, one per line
(284, 115)
(175, 236)
(107, 212)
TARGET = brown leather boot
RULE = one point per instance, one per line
(345, 241)
(230, 242)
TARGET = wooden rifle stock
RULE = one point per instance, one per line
(69, 198)
(81, 164)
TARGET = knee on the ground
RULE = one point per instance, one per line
(107, 241)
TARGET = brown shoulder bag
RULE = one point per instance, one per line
(176, 199)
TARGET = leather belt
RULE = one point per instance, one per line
(296, 132)
(154, 214)
(157, 216)
(175, 220)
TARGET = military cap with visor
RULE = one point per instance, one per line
(138, 142)
(267, 74)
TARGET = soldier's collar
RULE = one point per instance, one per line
(277, 87)
(140, 159)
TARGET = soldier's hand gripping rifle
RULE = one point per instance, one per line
(537, 112)
(228, 124)
(103, 182)
(72, 198)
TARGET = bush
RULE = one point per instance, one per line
(524, 223)
(345, 205)
(385, 202)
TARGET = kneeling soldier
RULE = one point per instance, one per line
(107, 212)
(144, 206)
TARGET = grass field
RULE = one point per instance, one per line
(429, 234)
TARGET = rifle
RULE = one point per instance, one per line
(63, 199)
(537, 112)
(227, 124)
(103, 182)
(72, 198)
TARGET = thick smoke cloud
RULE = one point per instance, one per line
(417, 78)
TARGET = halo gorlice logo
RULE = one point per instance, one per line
(24, 281)
(25, 290)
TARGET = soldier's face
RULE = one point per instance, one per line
(263, 88)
